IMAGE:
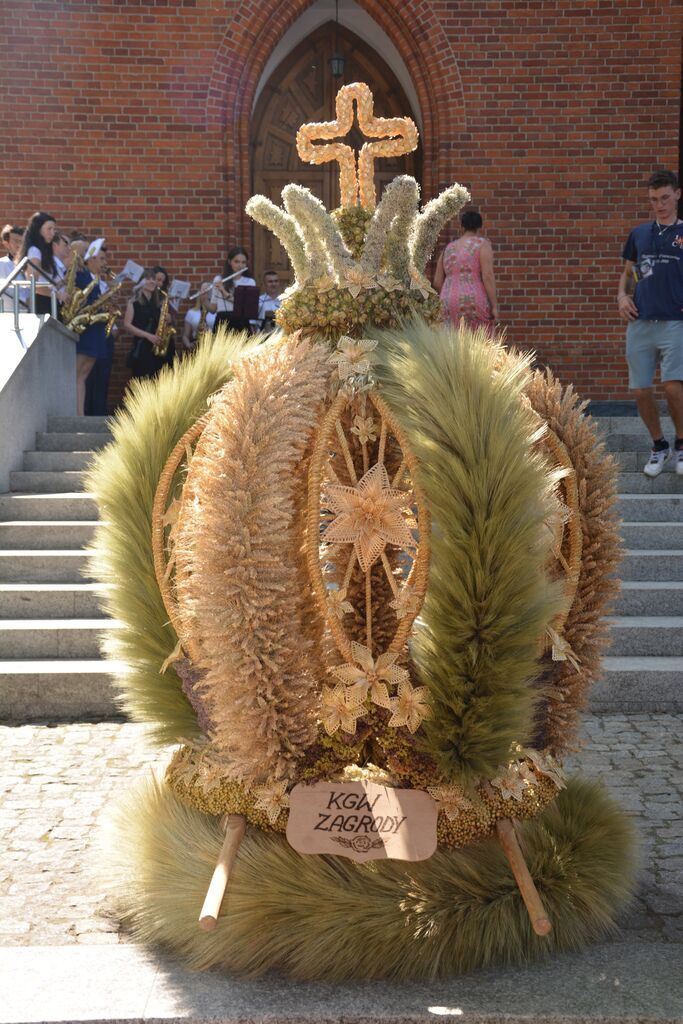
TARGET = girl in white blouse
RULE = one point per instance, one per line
(37, 245)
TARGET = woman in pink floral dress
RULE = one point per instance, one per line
(464, 277)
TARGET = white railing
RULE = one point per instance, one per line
(37, 371)
(13, 284)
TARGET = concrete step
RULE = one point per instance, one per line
(633, 461)
(640, 564)
(633, 425)
(638, 483)
(58, 690)
(49, 566)
(611, 982)
(647, 636)
(71, 505)
(639, 684)
(70, 424)
(29, 534)
(46, 482)
(52, 600)
(85, 442)
(639, 597)
(54, 638)
(54, 462)
(620, 442)
(653, 536)
(650, 508)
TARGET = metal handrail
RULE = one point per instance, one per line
(11, 279)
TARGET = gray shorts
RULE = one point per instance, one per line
(649, 342)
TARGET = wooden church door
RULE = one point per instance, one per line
(300, 90)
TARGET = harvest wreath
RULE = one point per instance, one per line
(363, 568)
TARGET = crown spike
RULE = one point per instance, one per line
(284, 227)
(316, 253)
(433, 217)
(312, 217)
(393, 217)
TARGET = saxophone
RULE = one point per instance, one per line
(105, 305)
(76, 298)
(76, 312)
(165, 329)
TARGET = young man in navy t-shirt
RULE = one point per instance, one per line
(653, 259)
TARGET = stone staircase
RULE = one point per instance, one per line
(644, 669)
(51, 622)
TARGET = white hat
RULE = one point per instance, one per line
(94, 248)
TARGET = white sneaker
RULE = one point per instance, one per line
(655, 464)
(679, 461)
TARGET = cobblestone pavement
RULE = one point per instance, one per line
(56, 781)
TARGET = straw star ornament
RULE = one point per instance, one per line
(369, 516)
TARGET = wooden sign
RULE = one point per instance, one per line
(362, 820)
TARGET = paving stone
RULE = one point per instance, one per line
(68, 773)
(627, 984)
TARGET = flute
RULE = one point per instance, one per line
(230, 277)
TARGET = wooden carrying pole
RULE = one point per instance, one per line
(532, 901)
(234, 832)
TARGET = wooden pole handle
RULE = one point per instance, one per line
(234, 832)
(532, 901)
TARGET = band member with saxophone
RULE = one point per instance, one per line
(92, 342)
(150, 349)
(97, 384)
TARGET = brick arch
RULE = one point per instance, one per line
(247, 43)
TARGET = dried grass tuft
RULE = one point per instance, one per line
(489, 598)
(586, 629)
(331, 919)
(241, 580)
(124, 478)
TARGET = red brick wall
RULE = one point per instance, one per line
(131, 119)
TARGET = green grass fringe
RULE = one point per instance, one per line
(124, 478)
(489, 599)
(320, 917)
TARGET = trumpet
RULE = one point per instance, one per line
(165, 329)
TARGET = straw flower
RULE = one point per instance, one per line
(511, 783)
(451, 800)
(272, 799)
(356, 280)
(352, 357)
(406, 602)
(364, 428)
(418, 282)
(369, 676)
(545, 763)
(338, 712)
(339, 606)
(410, 707)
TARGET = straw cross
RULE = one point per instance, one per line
(402, 139)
